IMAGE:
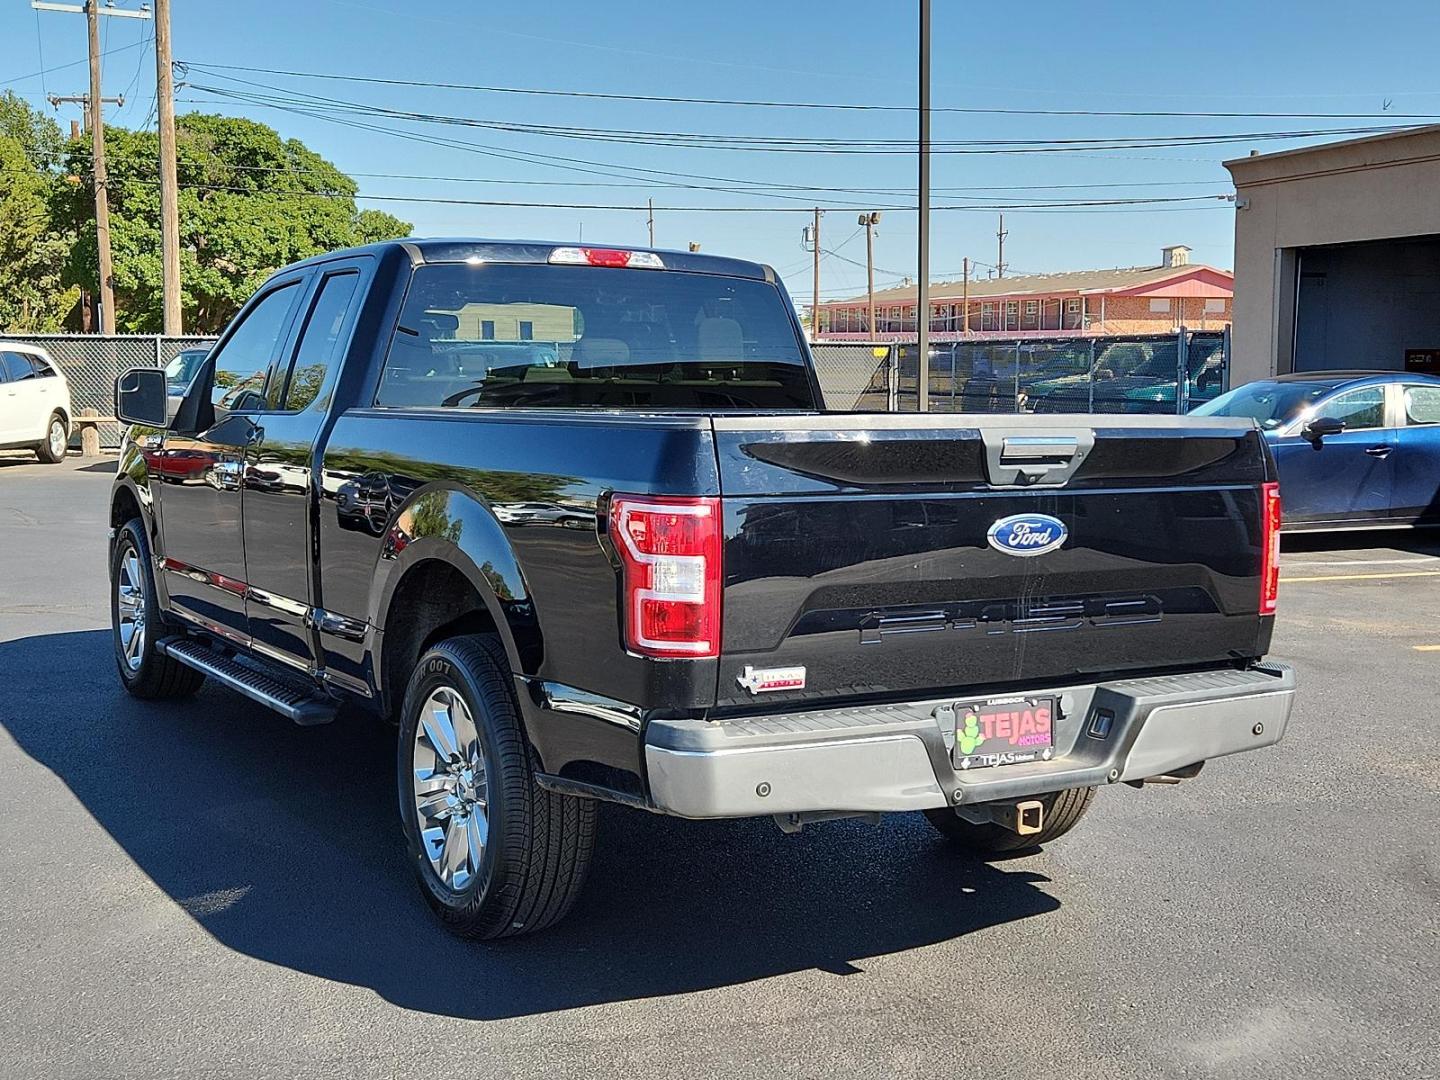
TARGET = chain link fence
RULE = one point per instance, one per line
(854, 377)
(1157, 374)
(92, 363)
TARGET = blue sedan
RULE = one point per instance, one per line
(1355, 449)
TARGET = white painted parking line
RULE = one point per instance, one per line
(1309, 564)
(1362, 577)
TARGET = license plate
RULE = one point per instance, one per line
(1009, 731)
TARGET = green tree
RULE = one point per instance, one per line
(250, 202)
(36, 133)
(34, 249)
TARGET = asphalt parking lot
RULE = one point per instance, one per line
(202, 889)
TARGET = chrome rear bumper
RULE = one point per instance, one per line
(898, 757)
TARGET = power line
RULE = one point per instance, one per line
(562, 163)
(139, 64)
(747, 187)
(824, 105)
(565, 164)
(40, 51)
(741, 187)
(442, 201)
(788, 145)
(62, 67)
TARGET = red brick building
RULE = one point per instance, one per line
(1134, 300)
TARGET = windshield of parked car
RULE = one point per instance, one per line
(1273, 404)
(546, 336)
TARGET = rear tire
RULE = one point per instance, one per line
(1063, 811)
(52, 449)
(496, 854)
(135, 622)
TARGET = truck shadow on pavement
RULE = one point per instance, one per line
(283, 843)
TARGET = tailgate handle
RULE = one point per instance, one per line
(1046, 459)
(1038, 452)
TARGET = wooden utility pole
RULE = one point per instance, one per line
(815, 306)
(965, 319)
(648, 202)
(96, 120)
(108, 321)
(922, 297)
(169, 185)
(869, 221)
(1000, 258)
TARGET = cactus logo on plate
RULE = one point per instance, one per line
(1027, 534)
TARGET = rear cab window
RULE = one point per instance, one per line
(500, 335)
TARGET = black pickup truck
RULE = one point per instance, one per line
(573, 519)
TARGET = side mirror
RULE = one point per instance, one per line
(1316, 430)
(140, 397)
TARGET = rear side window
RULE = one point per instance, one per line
(528, 336)
(1422, 404)
(320, 340)
(39, 366)
(17, 366)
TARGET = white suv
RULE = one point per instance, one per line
(35, 407)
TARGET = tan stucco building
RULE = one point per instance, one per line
(1337, 257)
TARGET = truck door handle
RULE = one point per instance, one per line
(1378, 451)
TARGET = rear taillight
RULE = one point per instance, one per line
(613, 257)
(670, 557)
(1270, 551)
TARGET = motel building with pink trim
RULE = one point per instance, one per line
(1079, 303)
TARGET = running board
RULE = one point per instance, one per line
(306, 709)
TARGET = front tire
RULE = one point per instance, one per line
(496, 854)
(135, 623)
(1063, 811)
(52, 450)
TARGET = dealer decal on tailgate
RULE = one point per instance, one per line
(1007, 732)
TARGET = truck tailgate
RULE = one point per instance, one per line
(859, 548)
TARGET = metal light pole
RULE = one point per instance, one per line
(922, 305)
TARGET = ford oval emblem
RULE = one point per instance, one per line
(1027, 534)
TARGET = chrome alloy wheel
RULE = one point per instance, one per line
(130, 608)
(57, 439)
(451, 795)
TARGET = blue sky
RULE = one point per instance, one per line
(1217, 56)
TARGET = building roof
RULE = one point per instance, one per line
(1387, 144)
(1392, 147)
(1077, 282)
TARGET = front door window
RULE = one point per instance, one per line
(244, 361)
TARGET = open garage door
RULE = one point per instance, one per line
(1373, 305)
